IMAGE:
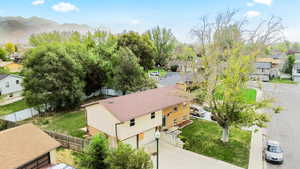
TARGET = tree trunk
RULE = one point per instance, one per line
(225, 135)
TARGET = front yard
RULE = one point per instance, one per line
(283, 81)
(203, 137)
(13, 107)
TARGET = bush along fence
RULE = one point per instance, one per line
(69, 142)
(4, 124)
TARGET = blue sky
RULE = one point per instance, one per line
(139, 15)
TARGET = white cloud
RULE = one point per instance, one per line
(250, 4)
(64, 7)
(251, 14)
(265, 2)
(135, 22)
(38, 2)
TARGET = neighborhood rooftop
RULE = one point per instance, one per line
(138, 104)
(21, 144)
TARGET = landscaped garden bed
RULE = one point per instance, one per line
(203, 137)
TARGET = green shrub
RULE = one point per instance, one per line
(174, 68)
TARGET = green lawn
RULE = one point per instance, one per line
(250, 95)
(161, 71)
(68, 123)
(13, 107)
(203, 137)
(285, 81)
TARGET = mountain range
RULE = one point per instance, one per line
(18, 29)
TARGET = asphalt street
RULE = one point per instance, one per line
(285, 127)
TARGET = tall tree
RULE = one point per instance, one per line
(141, 46)
(52, 78)
(289, 64)
(3, 54)
(128, 75)
(10, 48)
(228, 63)
(164, 44)
(94, 154)
(124, 157)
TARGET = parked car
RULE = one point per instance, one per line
(273, 152)
(154, 74)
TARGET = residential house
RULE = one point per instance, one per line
(134, 118)
(262, 71)
(185, 65)
(266, 68)
(26, 147)
(296, 71)
(11, 66)
(10, 85)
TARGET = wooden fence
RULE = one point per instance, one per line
(69, 142)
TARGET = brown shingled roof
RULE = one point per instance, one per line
(138, 104)
(23, 144)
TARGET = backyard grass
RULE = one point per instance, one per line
(66, 156)
(13, 107)
(203, 137)
(162, 72)
(68, 123)
(284, 81)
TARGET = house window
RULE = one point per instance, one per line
(7, 84)
(175, 109)
(17, 81)
(152, 115)
(132, 122)
(175, 122)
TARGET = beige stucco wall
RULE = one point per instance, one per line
(101, 119)
(180, 115)
(142, 124)
(53, 157)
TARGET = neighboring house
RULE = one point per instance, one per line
(134, 118)
(296, 71)
(26, 147)
(11, 66)
(10, 85)
(262, 71)
(266, 68)
(185, 65)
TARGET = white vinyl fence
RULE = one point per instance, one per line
(20, 115)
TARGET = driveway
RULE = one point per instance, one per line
(171, 157)
(285, 127)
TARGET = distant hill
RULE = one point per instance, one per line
(18, 29)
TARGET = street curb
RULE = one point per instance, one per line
(256, 158)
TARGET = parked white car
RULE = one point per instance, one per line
(273, 152)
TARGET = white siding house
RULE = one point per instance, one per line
(262, 71)
(296, 71)
(10, 85)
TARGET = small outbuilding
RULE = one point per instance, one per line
(26, 147)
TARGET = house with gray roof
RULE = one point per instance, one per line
(262, 71)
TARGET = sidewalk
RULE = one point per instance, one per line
(256, 159)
